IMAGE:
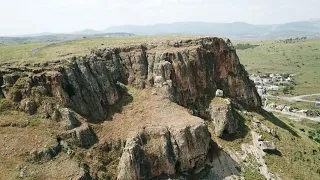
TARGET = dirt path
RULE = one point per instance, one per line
(35, 51)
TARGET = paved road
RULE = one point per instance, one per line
(295, 98)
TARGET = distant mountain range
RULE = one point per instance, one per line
(236, 30)
(51, 37)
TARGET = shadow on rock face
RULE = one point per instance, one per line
(126, 99)
(276, 121)
(220, 165)
(274, 152)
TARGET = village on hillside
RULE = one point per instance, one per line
(270, 82)
(270, 85)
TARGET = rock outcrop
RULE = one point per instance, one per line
(221, 114)
(188, 71)
(262, 145)
(68, 119)
(195, 74)
(164, 150)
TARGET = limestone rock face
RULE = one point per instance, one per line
(161, 150)
(189, 72)
(222, 117)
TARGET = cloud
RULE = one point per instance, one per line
(30, 16)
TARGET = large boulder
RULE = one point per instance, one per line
(263, 146)
(267, 146)
(222, 117)
(158, 150)
(67, 118)
(84, 136)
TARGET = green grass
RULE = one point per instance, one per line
(19, 52)
(298, 161)
(301, 58)
(23, 53)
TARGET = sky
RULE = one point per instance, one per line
(35, 16)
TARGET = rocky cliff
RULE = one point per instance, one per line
(188, 71)
(85, 90)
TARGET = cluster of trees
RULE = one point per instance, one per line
(287, 89)
(245, 46)
(292, 40)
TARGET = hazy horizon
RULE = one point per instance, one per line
(20, 17)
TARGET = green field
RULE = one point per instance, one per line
(301, 58)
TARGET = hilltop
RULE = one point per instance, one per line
(142, 108)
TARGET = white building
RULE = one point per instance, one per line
(273, 88)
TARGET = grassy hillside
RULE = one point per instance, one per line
(23, 53)
(50, 37)
(301, 58)
(299, 154)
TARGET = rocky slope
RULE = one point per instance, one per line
(87, 89)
